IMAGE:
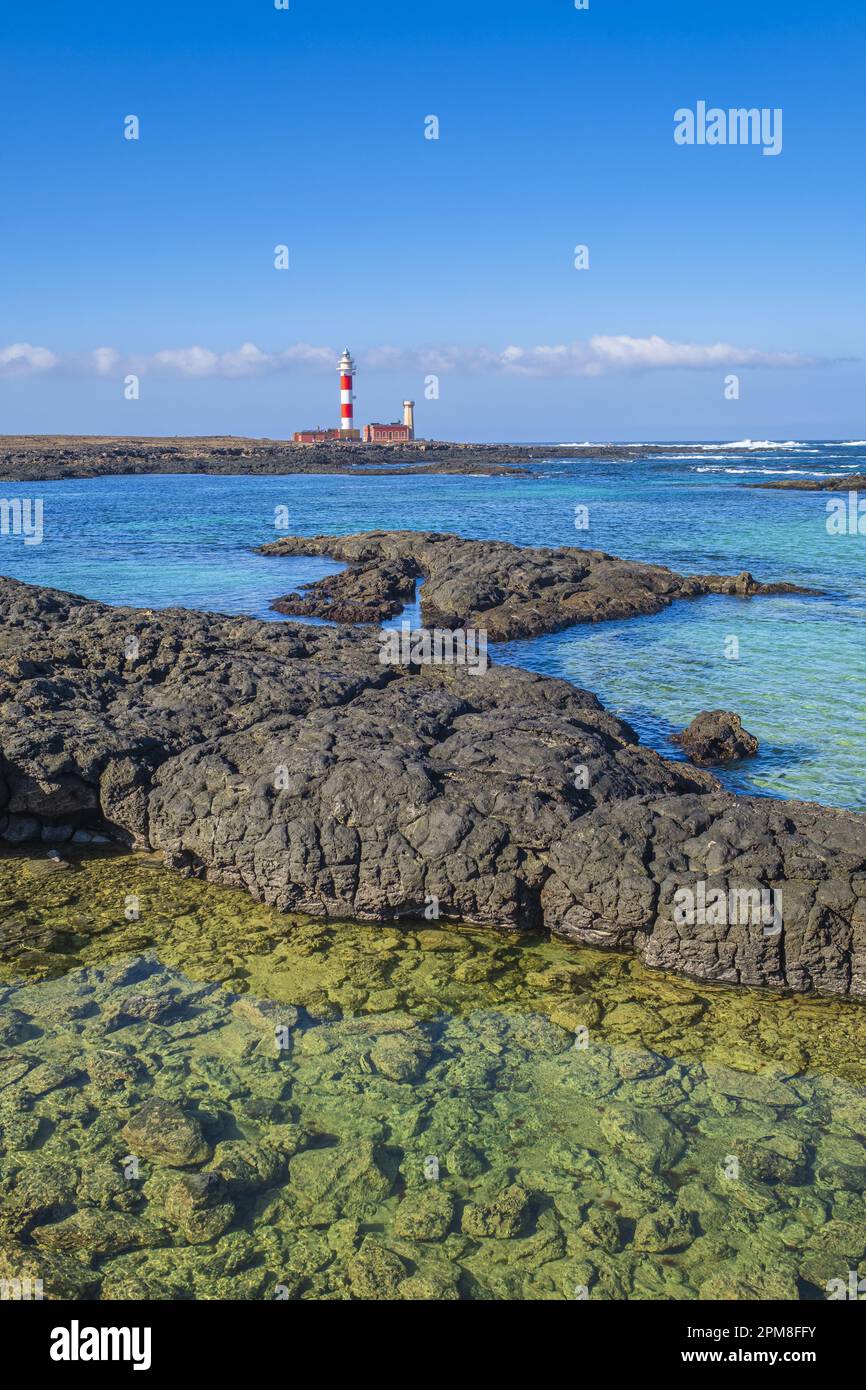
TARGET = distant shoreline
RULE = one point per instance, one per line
(44, 458)
(32, 458)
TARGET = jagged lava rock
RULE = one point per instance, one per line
(509, 591)
(287, 760)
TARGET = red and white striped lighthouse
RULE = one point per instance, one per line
(347, 408)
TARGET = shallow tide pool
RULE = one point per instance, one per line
(202, 1098)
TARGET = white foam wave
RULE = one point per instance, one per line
(763, 445)
(784, 472)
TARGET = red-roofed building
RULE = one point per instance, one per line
(322, 436)
(387, 434)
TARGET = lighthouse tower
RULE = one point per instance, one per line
(347, 408)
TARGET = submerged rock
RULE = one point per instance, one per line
(350, 1180)
(425, 1215)
(376, 1272)
(501, 1218)
(662, 1231)
(96, 1233)
(163, 1132)
(60, 1277)
(401, 1056)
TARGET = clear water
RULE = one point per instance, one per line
(449, 1113)
(798, 680)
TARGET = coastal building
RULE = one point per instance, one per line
(387, 434)
(395, 433)
(318, 436)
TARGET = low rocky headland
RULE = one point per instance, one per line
(287, 760)
(42, 458)
(509, 591)
(851, 483)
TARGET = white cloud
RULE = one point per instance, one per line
(105, 360)
(631, 353)
(601, 355)
(24, 357)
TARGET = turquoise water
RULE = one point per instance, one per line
(797, 682)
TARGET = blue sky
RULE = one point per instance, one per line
(305, 127)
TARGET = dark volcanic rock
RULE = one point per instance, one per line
(509, 591)
(716, 736)
(285, 759)
(852, 483)
(30, 458)
(363, 594)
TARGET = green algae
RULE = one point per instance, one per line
(202, 1098)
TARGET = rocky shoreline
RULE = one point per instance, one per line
(289, 761)
(43, 458)
(851, 483)
(507, 590)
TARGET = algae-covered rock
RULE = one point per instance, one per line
(430, 1286)
(644, 1136)
(91, 1232)
(247, 1168)
(841, 1163)
(401, 1056)
(127, 1285)
(761, 1087)
(539, 1034)
(21, 1127)
(15, 1026)
(638, 1063)
(632, 1019)
(344, 1180)
(601, 1228)
(14, 1065)
(464, 1160)
(741, 1283)
(670, 1228)
(113, 1069)
(151, 1006)
(62, 1277)
(328, 1152)
(774, 1159)
(832, 1251)
(198, 1206)
(162, 1132)
(102, 1185)
(43, 1191)
(200, 1227)
(376, 1272)
(574, 1015)
(425, 1214)
(503, 1217)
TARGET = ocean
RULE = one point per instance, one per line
(797, 677)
